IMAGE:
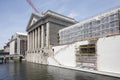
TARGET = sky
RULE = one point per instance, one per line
(15, 14)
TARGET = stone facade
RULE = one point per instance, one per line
(43, 32)
(18, 44)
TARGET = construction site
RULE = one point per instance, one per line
(60, 44)
(58, 40)
(105, 24)
(91, 44)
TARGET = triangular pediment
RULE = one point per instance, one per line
(33, 19)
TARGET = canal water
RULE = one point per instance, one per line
(31, 71)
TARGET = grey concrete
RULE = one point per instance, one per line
(93, 71)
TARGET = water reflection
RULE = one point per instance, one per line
(30, 71)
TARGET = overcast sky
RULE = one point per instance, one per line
(15, 14)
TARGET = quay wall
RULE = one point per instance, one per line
(107, 52)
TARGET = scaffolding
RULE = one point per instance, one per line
(100, 26)
(86, 56)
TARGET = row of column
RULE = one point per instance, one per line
(39, 37)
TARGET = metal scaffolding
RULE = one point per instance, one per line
(106, 24)
(86, 56)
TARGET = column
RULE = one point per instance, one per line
(18, 45)
(47, 34)
(28, 38)
(42, 36)
(37, 38)
(33, 39)
(39, 35)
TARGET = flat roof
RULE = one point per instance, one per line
(93, 18)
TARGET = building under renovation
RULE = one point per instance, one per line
(18, 44)
(105, 24)
(89, 44)
(42, 32)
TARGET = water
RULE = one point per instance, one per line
(30, 71)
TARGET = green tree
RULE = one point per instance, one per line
(1, 50)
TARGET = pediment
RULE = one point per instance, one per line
(33, 19)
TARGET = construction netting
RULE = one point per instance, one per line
(100, 27)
